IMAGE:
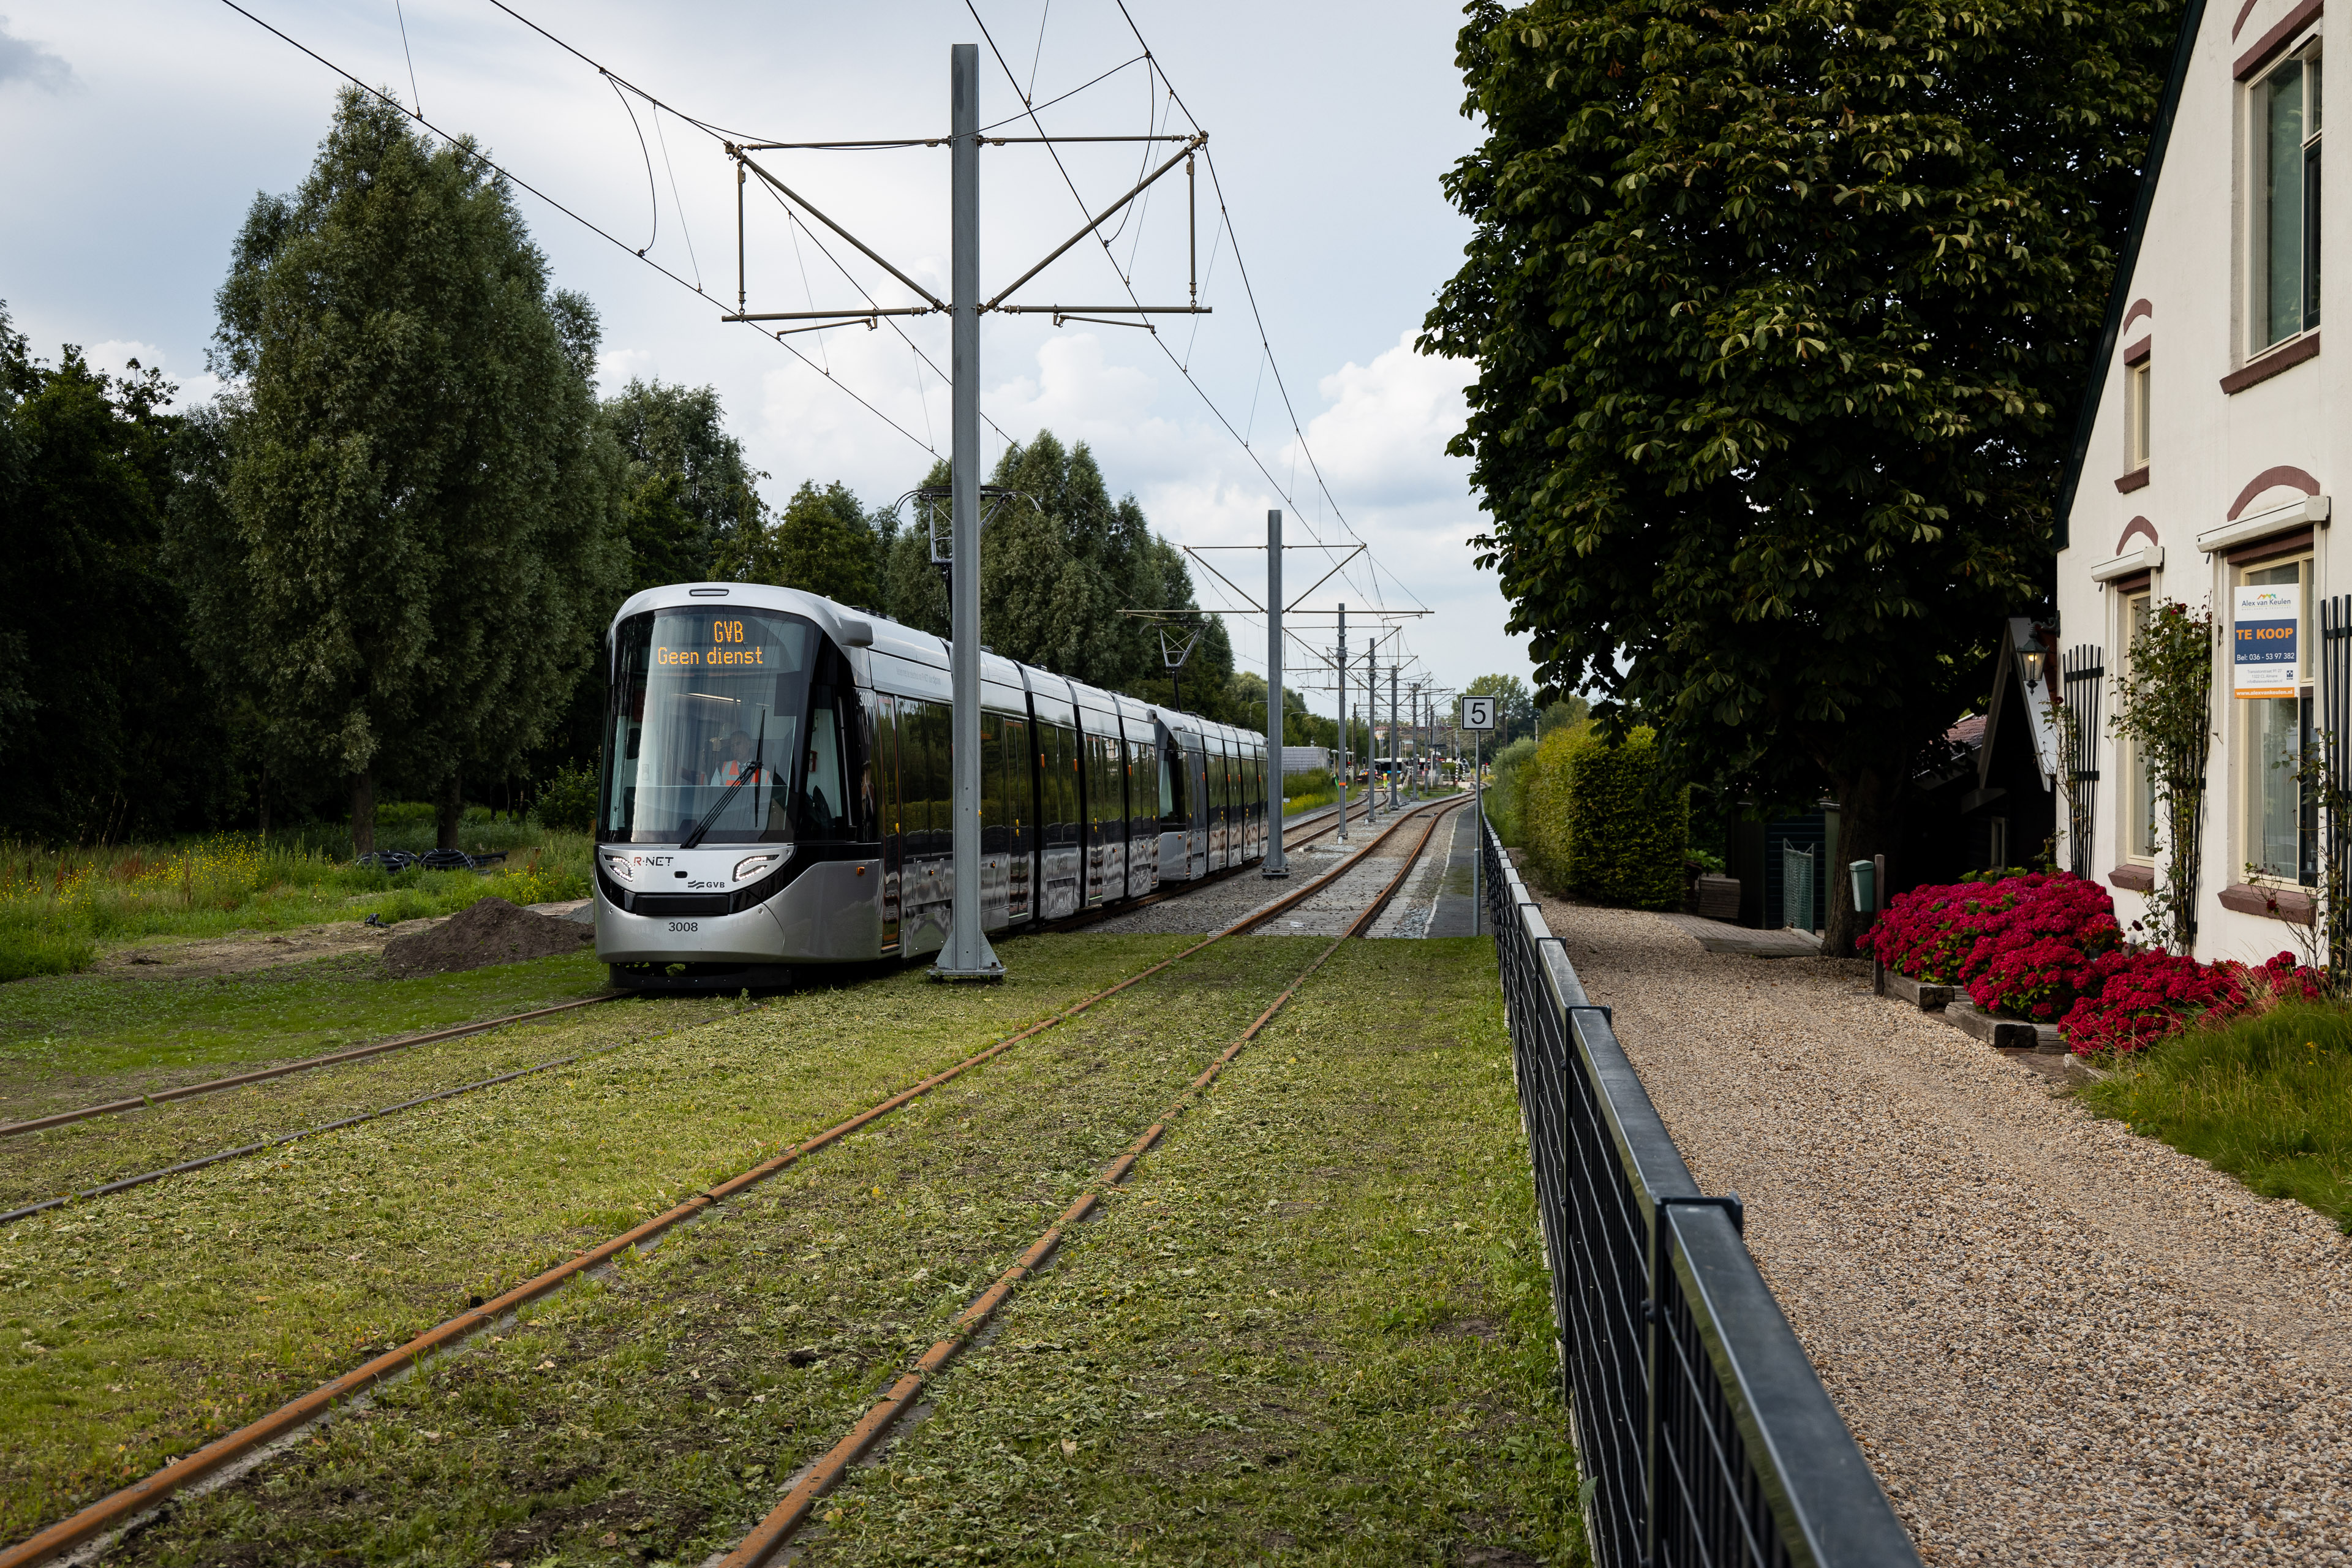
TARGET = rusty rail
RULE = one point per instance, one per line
(119, 1509)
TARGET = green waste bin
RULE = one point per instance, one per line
(1865, 886)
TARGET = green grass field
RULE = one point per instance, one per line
(157, 1030)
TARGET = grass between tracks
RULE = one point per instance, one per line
(651, 1416)
(1313, 1329)
(84, 1154)
(68, 1039)
(135, 1327)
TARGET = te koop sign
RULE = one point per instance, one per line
(2263, 637)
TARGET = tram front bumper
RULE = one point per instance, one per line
(749, 936)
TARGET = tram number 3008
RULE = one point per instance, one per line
(685, 925)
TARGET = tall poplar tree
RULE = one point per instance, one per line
(1781, 313)
(425, 506)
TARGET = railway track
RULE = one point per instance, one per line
(115, 1512)
(1356, 813)
(382, 1047)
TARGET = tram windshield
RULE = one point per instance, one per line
(705, 725)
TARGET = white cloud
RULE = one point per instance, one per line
(21, 60)
(114, 357)
(616, 368)
(1388, 425)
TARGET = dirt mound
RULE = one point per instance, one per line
(492, 931)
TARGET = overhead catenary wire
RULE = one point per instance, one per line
(588, 224)
(1372, 590)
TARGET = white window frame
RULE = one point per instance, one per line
(2305, 56)
(2136, 386)
(2243, 784)
(2136, 823)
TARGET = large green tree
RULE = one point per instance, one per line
(106, 730)
(1781, 313)
(426, 506)
(822, 542)
(694, 512)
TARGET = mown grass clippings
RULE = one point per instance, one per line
(1315, 1326)
(74, 1039)
(2266, 1098)
(663, 1403)
(84, 1154)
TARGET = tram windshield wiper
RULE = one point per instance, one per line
(758, 769)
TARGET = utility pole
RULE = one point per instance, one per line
(1394, 755)
(1372, 717)
(967, 955)
(1343, 724)
(1274, 866)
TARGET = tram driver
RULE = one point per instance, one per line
(738, 764)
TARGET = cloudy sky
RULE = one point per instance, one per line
(141, 129)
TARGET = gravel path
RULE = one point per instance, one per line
(2055, 1340)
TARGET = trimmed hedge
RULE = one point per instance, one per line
(1543, 805)
(1605, 821)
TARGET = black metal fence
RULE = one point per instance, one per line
(1706, 1439)
(2085, 673)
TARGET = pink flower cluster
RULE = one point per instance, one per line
(2023, 945)
(2140, 995)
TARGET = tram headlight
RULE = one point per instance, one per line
(758, 865)
(618, 864)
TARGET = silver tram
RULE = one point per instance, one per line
(776, 782)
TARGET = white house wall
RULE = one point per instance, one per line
(2214, 454)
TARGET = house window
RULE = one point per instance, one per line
(2140, 814)
(2136, 416)
(2282, 815)
(2286, 117)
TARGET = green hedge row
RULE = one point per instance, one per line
(1609, 822)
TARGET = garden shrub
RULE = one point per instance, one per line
(2024, 946)
(1627, 822)
(568, 801)
(1544, 810)
(2139, 995)
(1505, 807)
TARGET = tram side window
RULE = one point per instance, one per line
(993, 814)
(915, 774)
(1013, 782)
(1113, 799)
(1058, 746)
(1171, 786)
(824, 801)
(1139, 789)
(938, 778)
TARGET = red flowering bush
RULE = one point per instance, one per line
(2033, 960)
(1928, 932)
(2022, 945)
(2137, 996)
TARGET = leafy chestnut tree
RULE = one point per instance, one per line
(1781, 314)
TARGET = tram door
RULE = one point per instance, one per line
(886, 763)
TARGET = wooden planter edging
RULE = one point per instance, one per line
(1944, 1002)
